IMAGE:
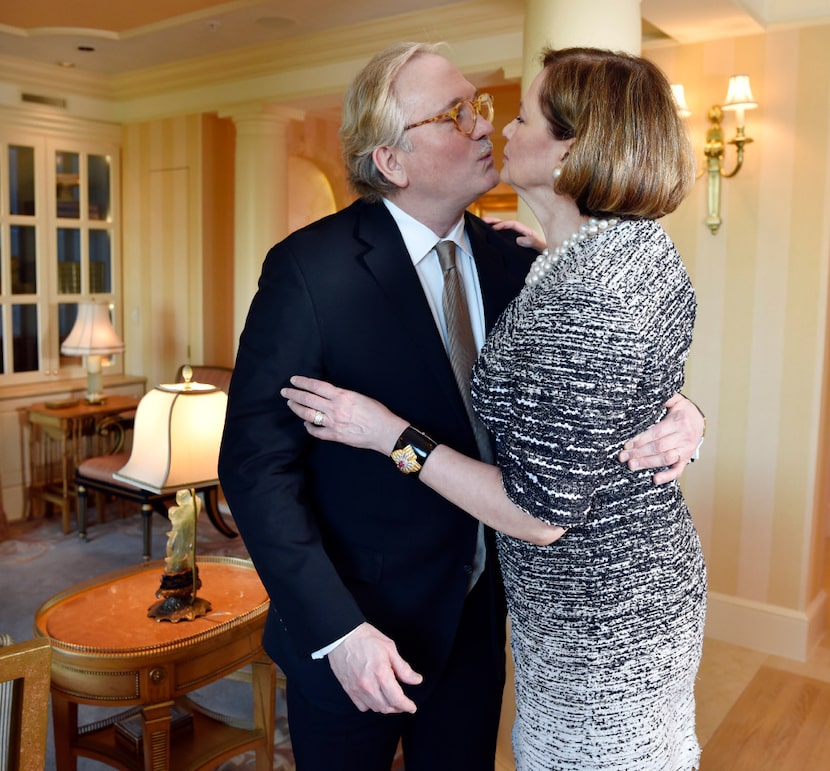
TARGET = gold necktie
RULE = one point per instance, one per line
(462, 346)
(463, 352)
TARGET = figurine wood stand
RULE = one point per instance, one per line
(180, 580)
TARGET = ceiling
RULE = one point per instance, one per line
(116, 37)
(129, 36)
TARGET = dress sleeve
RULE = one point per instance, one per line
(575, 376)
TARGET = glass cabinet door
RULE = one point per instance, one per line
(19, 266)
(21, 179)
(69, 260)
(84, 234)
(100, 262)
(67, 185)
(98, 194)
(58, 248)
(82, 201)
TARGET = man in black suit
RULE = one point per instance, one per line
(373, 618)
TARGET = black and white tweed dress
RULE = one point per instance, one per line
(607, 623)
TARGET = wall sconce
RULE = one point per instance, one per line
(93, 337)
(738, 99)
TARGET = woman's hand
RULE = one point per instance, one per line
(337, 415)
(528, 236)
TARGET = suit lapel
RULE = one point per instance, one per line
(385, 256)
(387, 259)
(492, 267)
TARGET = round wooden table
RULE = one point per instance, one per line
(107, 652)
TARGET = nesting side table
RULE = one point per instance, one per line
(56, 447)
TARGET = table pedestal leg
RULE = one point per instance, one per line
(65, 726)
(264, 681)
(156, 736)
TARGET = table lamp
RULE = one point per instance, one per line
(93, 337)
(176, 436)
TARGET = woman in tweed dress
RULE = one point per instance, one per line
(603, 569)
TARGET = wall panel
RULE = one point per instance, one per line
(163, 260)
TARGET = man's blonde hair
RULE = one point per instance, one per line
(373, 117)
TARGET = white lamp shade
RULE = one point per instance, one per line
(92, 332)
(739, 94)
(176, 437)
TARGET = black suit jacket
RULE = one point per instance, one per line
(338, 535)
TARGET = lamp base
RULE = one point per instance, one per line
(94, 385)
(179, 602)
(175, 609)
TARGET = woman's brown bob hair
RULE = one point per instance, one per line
(631, 156)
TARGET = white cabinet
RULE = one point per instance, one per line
(60, 244)
(59, 239)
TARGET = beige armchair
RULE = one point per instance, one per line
(25, 675)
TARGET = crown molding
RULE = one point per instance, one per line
(484, 36)
(49, 79)
(325, 51)
(49, 121)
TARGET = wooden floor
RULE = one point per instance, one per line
(781, 721)
(764, 713)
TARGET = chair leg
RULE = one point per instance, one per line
(82, 506)
(101, 506)
(66, 515)
(212, 508)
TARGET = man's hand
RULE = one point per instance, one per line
(672, 442)
(369, 668)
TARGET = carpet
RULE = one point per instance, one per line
(781, 722)
(39, 560)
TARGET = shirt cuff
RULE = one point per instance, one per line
(696, 455)
(323, 652)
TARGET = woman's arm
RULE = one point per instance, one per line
(477, 488)
(358, 421)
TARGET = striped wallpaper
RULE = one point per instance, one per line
(757, 367)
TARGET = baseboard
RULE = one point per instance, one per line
(767, 628)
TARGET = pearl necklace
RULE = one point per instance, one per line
(547, 259)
